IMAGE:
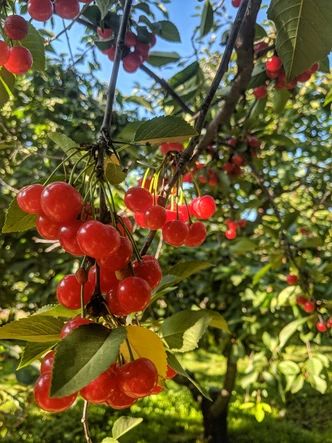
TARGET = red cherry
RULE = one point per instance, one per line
(138, 199)
(175, 232)
(120, 258)
(19, 60)
(196, 235)
(97, 239)
(170, 147)
(309, 307)
(16, 27)
(232, 142)
(105, 33)
(114, 304)
(321, 326)
(81, 276)
(155, 217)
(143, 49)
(213, 178)
(236, 3)
(253, 141)
(230, 234)
(183, 212)
(4, 52)
(72, 324)
(61, 202)
(97, 391)
(273, 64)
(47, 363)
(171, 215)
(40, 10)
(228, 167)
(171, 373)
(138, 378)
(67, 8)
(148, 269)
(111, 53)
(300, 300)
(68, 292)
(28, 199)
(47, 228)
(187, 178)
(132, 62)
(292, 279)
(238, 159)
(242, 223)
(314, 68)
(134, 294)
(116, 398)
(329, 323)
(304, 77)
(231, 224)
(204, 207)
(42, 396)
(140, 219)
(68, 240)
(108, 279)
(157, 390)
(130, 39)
(260, 92)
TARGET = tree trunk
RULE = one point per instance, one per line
(215, 414)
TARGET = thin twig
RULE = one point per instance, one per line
(85, 424)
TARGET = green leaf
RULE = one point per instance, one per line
(308, 243)
(65, 143)
(92, 13)
(314, 366)
(161, 129)
(207, 19)
(318, 383)
(297, 384)
(35, 43)
(103, 6)
(36, 328)
(183, 270)
(279, 140)
(166, 30)
(280, 99)
(161, 58)
(324, 65)
(183, 76)
(83, 355)
(17, 220)
(258, 76)
(243, 245)
(328, 98)
(304, 32)
(57, 311)
(114, 174)
(32, 352)
(183, 330)
(7, 82)
(261, 273)
(289, 330)
(124, 424)
(260, 32)
(110, 440)
(259, 412)
(176, 365)
(4, 96)
(288, 367)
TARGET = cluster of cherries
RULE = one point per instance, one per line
(275, 71)
(233, 226)
(16, 59)
(233, 167)
(135, 52)
(309, 306)
(119, 387)
(42, 10)
(205, 176)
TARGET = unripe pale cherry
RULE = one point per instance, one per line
(98, 240)
(67, 9)
(19, 61)
(4, 52)
(149, 269)
(40, 10)
(120, 258)
(47, 362)
(138, 199)
(72, 324)
(175, 232)
(61, 202)
(134, 294)
(68, 292)
(196, 235)
(68, 238)
(138, 378)
(16, 27)
(47, 228)
(28, 199)
(204, 207)
(155, 217)
(42, 395)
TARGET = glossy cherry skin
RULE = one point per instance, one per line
(68, 292)
(16, 27)
(183, 211)
(204, 207)
(97, 239)
(61, 202)
(134, 294)
(148, 269)
(155, 217)
(321, 326)
(309, 306)
(67, 8)
(120, 258)
(138, 199)
(273, 64)
(171, 373)
(114, 304)
(68, 238)
(28, 199)
(97, 391)
(108, 279)
(47, 228)
(40, 10)
(117, 399)
(47, 363)
(42, 396)
(170, 146)
(175, 232)
(72, 324)
(230, 234)
(138, 378)
(260, 92)
(140, 219)
(4, 52)
(196, 235)
(19, 60)
(292, 279)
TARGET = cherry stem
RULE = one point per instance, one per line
(84, 421)
(59, 166)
